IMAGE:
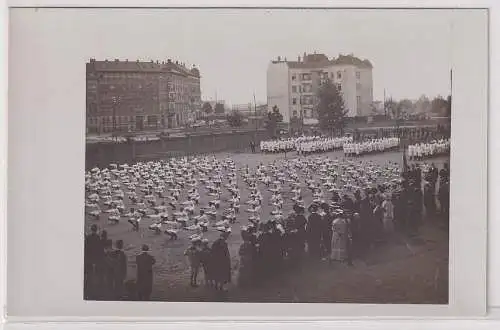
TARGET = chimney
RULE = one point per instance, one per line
(279, 58)
(117, 60)
(169, 61)
(298, 58)
(177, 62)
(285, 58)
(157, 62)
(137, 60)
(126, 60)
(106, 60)
(152, 61)
(304, 57)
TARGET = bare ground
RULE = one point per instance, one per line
(402, 271)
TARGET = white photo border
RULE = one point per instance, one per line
(471, 167)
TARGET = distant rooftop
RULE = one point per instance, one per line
(142, 66)
(316, 61)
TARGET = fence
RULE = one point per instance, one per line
(103, 154)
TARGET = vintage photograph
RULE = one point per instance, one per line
(268, 155)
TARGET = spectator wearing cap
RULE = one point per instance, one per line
(145, 264)
(221, 261)
(314, 232)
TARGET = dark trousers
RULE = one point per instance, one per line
(144, 289)
(117, 286)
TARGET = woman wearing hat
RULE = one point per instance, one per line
(340, 237)
(220, 261)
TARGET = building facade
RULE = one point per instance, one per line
(293, 85)
(125, 96)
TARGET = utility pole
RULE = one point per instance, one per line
(255, 117)
(385, 109)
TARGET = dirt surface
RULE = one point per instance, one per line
(401, 271)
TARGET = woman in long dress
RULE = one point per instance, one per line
(221, 262)
(340, 238)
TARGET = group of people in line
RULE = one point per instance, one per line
(420, 151)
(351, 206)
(105, 269)
(356, 149)
(304, 144)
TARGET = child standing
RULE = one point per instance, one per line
(205, 261)
(193, 255)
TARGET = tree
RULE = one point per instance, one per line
(273, 118)
(423, 104)
(330, 108)
(406, 105)
(207, 108)
(439, 105)
(235, 119)
(393, 109)
(219, 108)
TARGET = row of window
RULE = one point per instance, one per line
(323, 75)
(302, 89)
(306, 100)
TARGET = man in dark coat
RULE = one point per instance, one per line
(429, 202)
(314, 233)
(119, 269)
(221, 261)
(145, 264)
(326, 230)
(444, 200)
(300, 226)
(94, 252)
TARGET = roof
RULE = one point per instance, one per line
(317, 61)
(137, 66)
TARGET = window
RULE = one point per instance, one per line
(294, 100)
(294, 89)
(339, 87)
(306, 76)
(331, 75)
(358, 75)
(339, 75)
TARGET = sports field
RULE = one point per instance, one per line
(403, 271)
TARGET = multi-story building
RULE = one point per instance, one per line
(135, 96)
(293, 85)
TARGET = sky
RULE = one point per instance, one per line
(409, 49)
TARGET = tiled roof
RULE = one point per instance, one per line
(317, 61)
(136, 66)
